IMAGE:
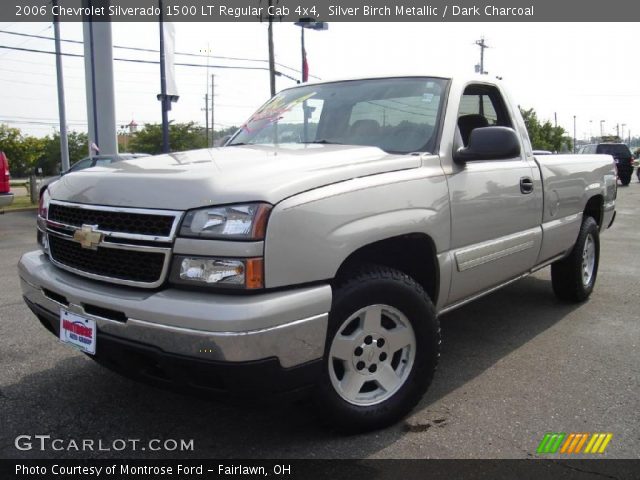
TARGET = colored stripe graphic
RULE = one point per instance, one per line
(598, 443)
(550, 442)
(573, 443)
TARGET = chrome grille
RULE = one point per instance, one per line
(133, 246)
(113, 221)
(111, 263)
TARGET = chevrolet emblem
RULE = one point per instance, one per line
(88, 237)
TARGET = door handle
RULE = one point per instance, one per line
(526, 185)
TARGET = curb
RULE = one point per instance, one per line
(22, 209)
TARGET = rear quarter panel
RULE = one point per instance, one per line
(569, 181)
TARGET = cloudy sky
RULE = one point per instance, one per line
(587, 70)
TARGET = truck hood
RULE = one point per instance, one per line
(180, 181)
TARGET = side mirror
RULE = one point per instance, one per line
(489, 143)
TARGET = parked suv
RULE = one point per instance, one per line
(6, 197)
(621, 154)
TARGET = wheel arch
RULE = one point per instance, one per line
(595, 208)
(412, 253)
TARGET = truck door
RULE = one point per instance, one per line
(495, 208)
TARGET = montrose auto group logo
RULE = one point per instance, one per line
(574, 443)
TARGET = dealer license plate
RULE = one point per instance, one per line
(78, 331)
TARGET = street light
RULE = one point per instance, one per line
(310, 23)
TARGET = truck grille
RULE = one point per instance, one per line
(112, 220)
(113, 263)
(132, 246)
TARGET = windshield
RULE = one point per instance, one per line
(395, 114)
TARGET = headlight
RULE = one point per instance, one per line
(43, 212)
(43, 206)
(231, 222)
(221, 272)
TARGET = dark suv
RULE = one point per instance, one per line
(621, 154)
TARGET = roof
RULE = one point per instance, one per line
(460, 76)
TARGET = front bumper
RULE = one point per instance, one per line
(289, 325)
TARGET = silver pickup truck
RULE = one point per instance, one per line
(319, 246)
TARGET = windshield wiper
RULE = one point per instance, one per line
(236, 144)
(324, 142)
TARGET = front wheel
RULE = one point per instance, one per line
(574, 277)
(382, 349)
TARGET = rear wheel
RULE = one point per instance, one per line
(382, 350)
(625, 177)
(574, 277)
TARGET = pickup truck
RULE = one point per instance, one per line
(317, 249)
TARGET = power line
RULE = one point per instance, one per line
(150, 50)
(133, 60)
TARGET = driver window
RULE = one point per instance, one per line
(481, 106)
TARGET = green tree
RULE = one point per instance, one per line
(22, 151)
(51, 159)
(544, 136)
(182, 136)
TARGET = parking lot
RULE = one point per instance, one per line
(515, 365)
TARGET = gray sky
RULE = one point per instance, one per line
(587, 70)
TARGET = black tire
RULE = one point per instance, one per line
(625, 177)
(379, 285)
(567, 274)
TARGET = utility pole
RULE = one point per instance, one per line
(622, 132)
(574, 134)
(555, 119)
(272, 63)
(206, 115)
(213, 125)
(618, 130)
(64, 143)
(481, 43)
(163, 89)
(601, 129)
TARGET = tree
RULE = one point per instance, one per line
(22, 151)
(182, 136)
(544, 136)
(51, 159)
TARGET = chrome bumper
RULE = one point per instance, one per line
(289, 325)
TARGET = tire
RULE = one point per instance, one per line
(574, 277)
(625, 177)
(383, 330)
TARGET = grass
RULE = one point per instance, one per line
(22, 201)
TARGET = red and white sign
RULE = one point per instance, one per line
(78, 331)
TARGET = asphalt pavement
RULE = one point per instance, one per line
(515, 365)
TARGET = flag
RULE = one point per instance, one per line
(305, 66)
(169, 34)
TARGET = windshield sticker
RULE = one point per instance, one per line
(272, 112)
